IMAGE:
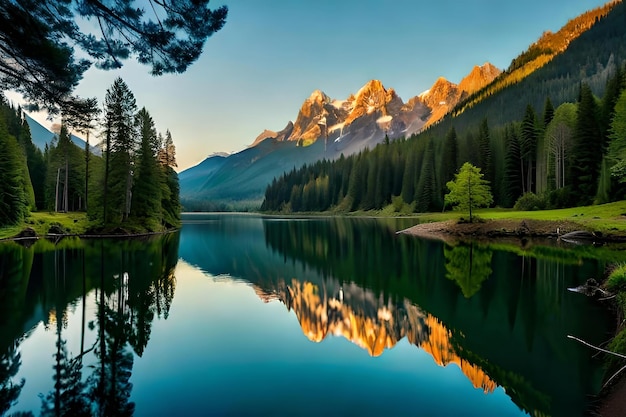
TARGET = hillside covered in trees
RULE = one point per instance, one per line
(553, 139)
(132, 186)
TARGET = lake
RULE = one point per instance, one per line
(240, 315)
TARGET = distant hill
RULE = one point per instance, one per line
(42, 136)
(195, 178)
(238, 182)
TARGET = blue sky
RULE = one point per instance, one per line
(256, 72)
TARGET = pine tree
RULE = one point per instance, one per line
(548, 112)
(358, 181)
(586, 154)
(13, 203)
(427, 197)
(65, 175)
(484, 141)
(607, 108)
(528, 148)
(513, 173)
(408, 179)
(449, 158)
(120, 109)
(170, 188)
(36, 164)
(146, 194)
(617, 135)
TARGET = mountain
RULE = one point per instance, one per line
(42, 136)
(489, 130)
(553, 66)
(324, 128)
(194, 179)
(479, 78)
(444, 95)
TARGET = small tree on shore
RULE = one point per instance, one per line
(468, 190)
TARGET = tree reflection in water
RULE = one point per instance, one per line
(468, 264)
(133, 283)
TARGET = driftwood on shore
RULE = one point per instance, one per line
(581, 236)
(619, 355)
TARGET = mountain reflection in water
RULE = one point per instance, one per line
(370, 322)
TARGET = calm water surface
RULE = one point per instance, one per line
(245, 315)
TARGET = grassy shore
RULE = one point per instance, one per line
(74, 223)
(606, 218)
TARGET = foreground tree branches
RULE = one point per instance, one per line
(38, 39)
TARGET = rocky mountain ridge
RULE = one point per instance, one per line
(375, 111)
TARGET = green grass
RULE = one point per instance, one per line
(605, 217)
(617, 279)
(70, 223)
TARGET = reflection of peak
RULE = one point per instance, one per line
(265, 296)
(370, 322)
(440, 348)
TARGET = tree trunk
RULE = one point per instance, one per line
(65, 187)
(87, 171)
(56, 192)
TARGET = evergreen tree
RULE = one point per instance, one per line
(484, 141)
(358, 179)
(617, 135)
(35, 163)
(65, 177)
(513, 172)
(13, 202)
(84, 122)
(528, 148)
(604, 184)
(408, 179)
(607, 109)
(146, 195)
(370, 184)
(449, 158)
(170, 188)
(471, 149)
(427, 197)
(586, 154)
(548, 112)
(120, 109)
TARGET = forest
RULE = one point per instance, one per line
(554, 139)
(130, 186)
(550, 158)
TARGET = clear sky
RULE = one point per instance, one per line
(256, 72)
